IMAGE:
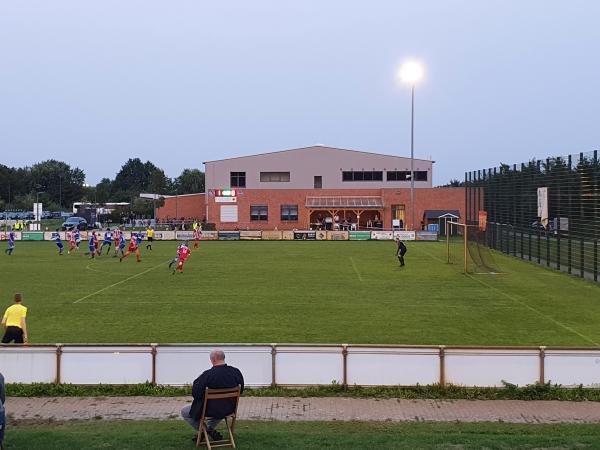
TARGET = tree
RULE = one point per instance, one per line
(190, 181)
(61, 184)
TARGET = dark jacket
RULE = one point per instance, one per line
(217, 377)
(401, 248)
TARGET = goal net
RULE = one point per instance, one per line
(465, 244)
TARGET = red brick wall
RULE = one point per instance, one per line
(183, 206)
(425, 198)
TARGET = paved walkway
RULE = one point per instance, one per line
(316, 409)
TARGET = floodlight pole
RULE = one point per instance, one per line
(412, 157)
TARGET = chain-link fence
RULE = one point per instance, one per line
(546, 211)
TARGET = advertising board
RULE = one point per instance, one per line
(405, 235)
(359, 236)
(32, 236)
(229, 235)
(336, 235)
(250, 235)
(271, 235)
(305, 235)
(382, 235)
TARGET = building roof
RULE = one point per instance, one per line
(439, 213)
(326, 202)
(315, 147)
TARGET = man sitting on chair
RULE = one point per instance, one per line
(219, 376)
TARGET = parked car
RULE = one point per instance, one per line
(75, 222)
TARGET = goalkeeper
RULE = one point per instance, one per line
(400, 252)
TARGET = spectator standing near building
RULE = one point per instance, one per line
(13, 321)
(220, 376)
(2, 414)
(400, 252)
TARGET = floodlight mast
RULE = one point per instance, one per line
(411, 72)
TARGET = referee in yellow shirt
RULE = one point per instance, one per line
(15, 328)
(150, 235)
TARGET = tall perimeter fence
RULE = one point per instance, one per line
(544, 211)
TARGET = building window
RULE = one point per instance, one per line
(362, 175)
(318, 182)
(259, 212)
(238, 179)
(421, 175)
(404, 175)
(274, 177)
(289, 213)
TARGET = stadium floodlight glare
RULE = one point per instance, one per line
(412, 72)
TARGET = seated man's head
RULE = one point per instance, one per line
(217, 357)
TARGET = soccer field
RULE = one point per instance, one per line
(304, 292)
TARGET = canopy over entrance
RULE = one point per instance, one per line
(364, 202)
(345, 212)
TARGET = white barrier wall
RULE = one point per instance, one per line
(309, 365)
(372, 366)
(293, 365)
(106, 364)
(28, 364)
(485, 367)
(177, 365)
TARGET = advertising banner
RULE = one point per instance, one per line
(229, 235)
(209, 235)
(4, 235)
(337, 235)
(359, 236)
(48, 235)
(382, 235)
(271, 235)
(482, 220)
(542, 205)
(250, 235)
(305, 235)
(321, 235)
(426, 236)
(184, 235)
(164, 235)
(287, 235)
(405, 235)
(32, 236)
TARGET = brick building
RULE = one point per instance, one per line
(313, 187)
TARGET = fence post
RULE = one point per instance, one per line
(345, 362)
(273, 371)
(153, 352)
(542, 364)
(58, 362)
(581, 259)
(529, 244)
(442, 365)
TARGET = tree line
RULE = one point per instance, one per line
(57, 185)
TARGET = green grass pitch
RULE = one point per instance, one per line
(302, 292)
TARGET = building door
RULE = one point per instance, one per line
(398, 213)
(318, 182)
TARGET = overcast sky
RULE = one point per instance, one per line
(181, 82)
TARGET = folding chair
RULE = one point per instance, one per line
(212, 395)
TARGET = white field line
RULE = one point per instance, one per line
(356, 269)
(119, 282)
(520, 302)
(88, 267)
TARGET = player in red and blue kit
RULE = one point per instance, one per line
(11, 242)
(133, 248)
(56, 238)
(108, 236)
(182, 253)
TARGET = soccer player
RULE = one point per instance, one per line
(56, 238)
(139, 237)
(71, 236)
(108, 236)
(197, 234)
(174, 260)
(400, 252)
(133, 248)
(182, 253)
(92, 247)
(11, 242)
(77, 238)
(150, 235)
(95, 237)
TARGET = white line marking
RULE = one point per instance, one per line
(100, 271)
(356, 269)
(514, 299)
(119, 282)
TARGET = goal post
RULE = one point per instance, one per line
(465, 233)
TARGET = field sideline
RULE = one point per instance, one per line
(306, 292)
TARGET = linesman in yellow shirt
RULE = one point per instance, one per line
(15, 328)
(150, 236)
